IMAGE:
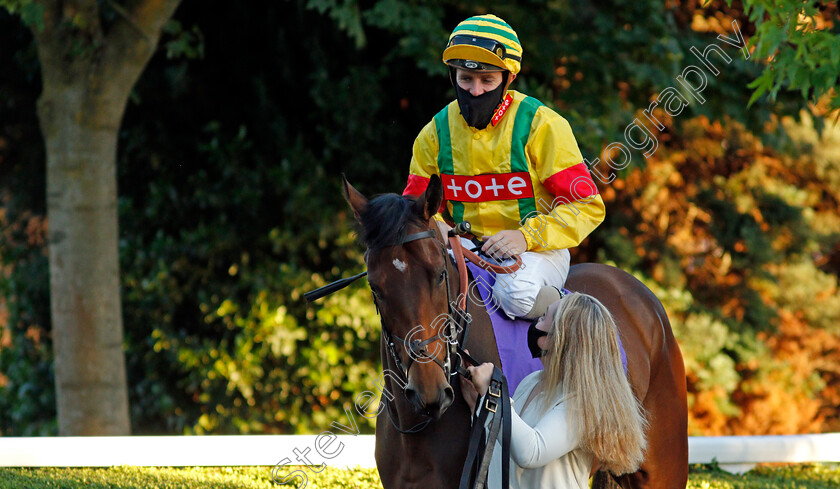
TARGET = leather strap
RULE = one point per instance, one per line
(477, 260)
(458, 250)
(476, 437)
(496, 404)
(414, 237)
(506, 427)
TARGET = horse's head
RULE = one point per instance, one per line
(407, 272)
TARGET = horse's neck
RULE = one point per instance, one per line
(481, 341)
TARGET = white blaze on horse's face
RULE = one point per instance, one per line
(400, 265)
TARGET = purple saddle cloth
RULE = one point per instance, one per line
(512, 334)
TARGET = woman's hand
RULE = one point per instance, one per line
(469, 393)
(505, 244)
(481, 376)
(475, 388)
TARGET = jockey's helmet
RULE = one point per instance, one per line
(484, 43)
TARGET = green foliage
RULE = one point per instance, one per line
(183, 43)
(31, 13)
(345, 14)
(219, 301)
(803, 52)
(785, 477)
(27, 400)
(27, 394)
(733, 238)
(176, 478)
(796, 284)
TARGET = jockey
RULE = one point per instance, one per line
(509, 165)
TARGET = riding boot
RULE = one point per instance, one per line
(547, 296)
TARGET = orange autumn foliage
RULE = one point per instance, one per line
(716, 214)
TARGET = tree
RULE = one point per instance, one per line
(800, 44)
(91, 55)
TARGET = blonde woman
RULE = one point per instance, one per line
(577, 410)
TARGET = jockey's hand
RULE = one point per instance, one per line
(505, 244)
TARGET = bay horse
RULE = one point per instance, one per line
(422, 435)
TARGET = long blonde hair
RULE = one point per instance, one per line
(583, 365)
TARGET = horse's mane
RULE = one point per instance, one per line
(385, 219)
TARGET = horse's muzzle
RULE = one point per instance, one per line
(433, 409)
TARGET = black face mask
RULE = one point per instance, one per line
(478, 111)
(533, 335)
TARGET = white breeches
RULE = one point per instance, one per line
(516, 291)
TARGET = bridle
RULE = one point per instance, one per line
(497, 399)
(448, 333)
(476, 463)
(452, 363)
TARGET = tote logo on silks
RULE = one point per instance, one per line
(485, 188)
(500, 112)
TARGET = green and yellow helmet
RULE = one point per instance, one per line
(484, 43)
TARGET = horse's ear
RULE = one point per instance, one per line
(357, 201)
(429, 203)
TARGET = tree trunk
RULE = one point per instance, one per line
(87, 75)
(90, 376)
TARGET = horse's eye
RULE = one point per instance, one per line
(441, 277)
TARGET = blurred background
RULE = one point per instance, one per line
(229, 162)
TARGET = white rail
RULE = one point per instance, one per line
(734, 453)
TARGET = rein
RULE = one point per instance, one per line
(469, 254)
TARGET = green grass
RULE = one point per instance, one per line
(803, 476)
(701, 477)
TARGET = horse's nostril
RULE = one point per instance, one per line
(413, 397)
(448, 396)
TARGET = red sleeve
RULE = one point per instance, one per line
(572, 184)
(417, 185)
